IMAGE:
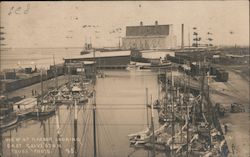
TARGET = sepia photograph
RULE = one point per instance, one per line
(124, 79)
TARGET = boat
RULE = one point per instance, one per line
(140, 137)
(156, 104)
(87, 49)
(44, 109)
(160, 65)
(7, 116)
(45, 103)
(24, 107)
(137, 65)
(145, 136)
(74, 90)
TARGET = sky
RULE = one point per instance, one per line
(71, 24)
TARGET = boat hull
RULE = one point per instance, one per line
(11, 122)
(47, 112)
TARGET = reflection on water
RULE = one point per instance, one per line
(120, 99)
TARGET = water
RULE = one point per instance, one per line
(43, 57)
(120, 99)
(31, 57)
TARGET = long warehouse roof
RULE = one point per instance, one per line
(99, 54)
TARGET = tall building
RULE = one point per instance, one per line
(149, 37)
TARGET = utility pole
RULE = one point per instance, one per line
(94, 122)
(197, 38)
(188, 37)
(182, 36)
(1, 44)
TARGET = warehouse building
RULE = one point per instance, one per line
(149, 37)
(104, 60)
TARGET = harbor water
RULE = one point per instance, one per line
(120, 110)
(31, 57)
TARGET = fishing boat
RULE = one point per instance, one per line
(45, 103)
(156, 104)
(74, 90)
(87, 49)
(140, 137)
(44, 109)
(7, 116)
(24, 107)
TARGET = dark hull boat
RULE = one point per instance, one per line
(8, 121)
(153, 66)
(7, 116)
(43, 111)
(24, 107)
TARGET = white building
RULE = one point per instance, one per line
(149, 37)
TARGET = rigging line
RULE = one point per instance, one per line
(114, 104)
(50, 134)
(108, 137)
(105, 129)
(120, 108)
(65, 124)
(68, 118)
(106, 132)
(84, 128)
(107, 124)
(72, 135)
(98, 133)
(85, 133)
(87, 141)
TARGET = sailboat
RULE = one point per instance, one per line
(7, 116)
(24, 107)
(149, 133)
(45, 104)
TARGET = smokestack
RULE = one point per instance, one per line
(182, 36)
(141, 23)
(156, 22)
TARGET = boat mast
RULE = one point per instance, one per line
(187, 104)
(58, 133)
(158, 86)
(55, 72)
(46, 80)
(69, 74)
(147, 106)
(166, 90)
(152, 123)
(75, 130)
(1, 144)
(41, 86)
(94, 122)
(173, 118)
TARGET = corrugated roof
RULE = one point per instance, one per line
(147, 30)
(99, 54)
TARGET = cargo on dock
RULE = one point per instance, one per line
(17, 79)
